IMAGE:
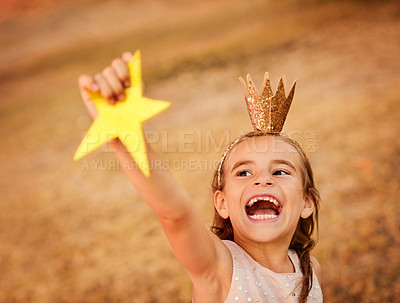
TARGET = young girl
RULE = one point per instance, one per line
(266, 207)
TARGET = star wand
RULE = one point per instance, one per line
(124, 119)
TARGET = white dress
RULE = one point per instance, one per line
(252, 282)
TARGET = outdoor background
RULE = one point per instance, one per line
(78, 232)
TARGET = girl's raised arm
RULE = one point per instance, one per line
(199, 251)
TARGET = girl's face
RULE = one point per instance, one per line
(263, 193)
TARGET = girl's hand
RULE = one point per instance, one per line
(110, 83)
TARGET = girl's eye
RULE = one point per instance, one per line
(243, 173)
(280, 172)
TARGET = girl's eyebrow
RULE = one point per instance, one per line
(240, 163)
(285, 162)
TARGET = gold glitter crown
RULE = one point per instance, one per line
(267, 111)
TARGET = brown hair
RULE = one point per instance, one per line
(301, 243)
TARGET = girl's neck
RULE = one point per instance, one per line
(270, 255)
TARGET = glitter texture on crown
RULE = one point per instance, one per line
(267, 111)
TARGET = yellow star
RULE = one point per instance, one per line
(123, 119)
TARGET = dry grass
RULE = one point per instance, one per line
(78, 232)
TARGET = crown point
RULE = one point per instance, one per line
(268, 111)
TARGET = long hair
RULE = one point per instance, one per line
(302, 242)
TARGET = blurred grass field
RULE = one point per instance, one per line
(78, 232)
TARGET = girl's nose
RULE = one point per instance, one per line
(264, 181)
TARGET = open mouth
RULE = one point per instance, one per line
(263, 208)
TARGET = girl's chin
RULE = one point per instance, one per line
(263, 238)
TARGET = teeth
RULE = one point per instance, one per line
(263, 217)
(251, 202)
(254, 200)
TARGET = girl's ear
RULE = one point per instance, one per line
(308, 208)
(220, 204)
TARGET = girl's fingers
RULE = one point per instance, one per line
(114, 83)
(111, 83)
(122, 72)
(86, 83)
(105, 88)
(126, 57)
